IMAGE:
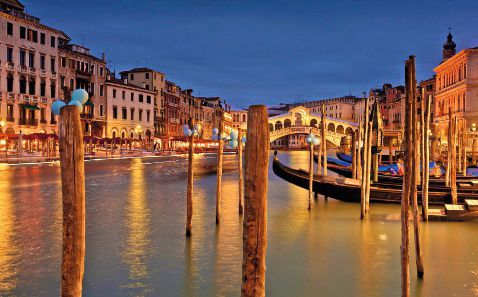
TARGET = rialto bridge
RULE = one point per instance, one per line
(300, 120)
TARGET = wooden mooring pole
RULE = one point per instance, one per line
(449, 143)
(473, 152)
(354, 157)
(190, 190)
(365, 162)
(323, 139)
(241, 172)
(255, 203)
(452, 162)
(426, 154)
(73, 201)
(311, 172)
(359, 151)
(464, 142)
(415, 151)
(407, 182)
(220, 149)
(368, 169)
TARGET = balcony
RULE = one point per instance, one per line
(10, 66)
(86, 116)
(33, 70)
(25, 98)
(10, 118)
(23, 69)
(42, 72)
(53, 75)
(11, 97)
(28, 122)
(44, 100)
(84, 73)
(43, 121)
(35, 99)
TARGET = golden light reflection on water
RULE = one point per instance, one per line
(228, 239)
(8, 248)
(138, 233)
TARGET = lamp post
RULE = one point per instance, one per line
(2, 124)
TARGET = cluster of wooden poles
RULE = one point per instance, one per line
(254, 189)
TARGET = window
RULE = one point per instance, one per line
(92, 89)
(42, 38)
(42, 62)
(146, 87)
(140, 115)
(114, 93)
(42, 88)
(62, 81)
(131, 76)
(115, 112)
(101, 90)
(32, 35)
(31, 59)
(101, 71)
(146, 75)
(147, 115)
(10, 29)
(23, 85)
(140, 98)
(52, 64)
(23, 32)
(42, 115)
(132, 96)
(148, 99)
(132, 114)
(124, 113)
(123, 95)
(9, 82)
(53, 41)
(63, 62)
(52, 89)
(10, 112)
(31, 86)
(72, 84)
(101, 110)
(22, 57)
(9, 54)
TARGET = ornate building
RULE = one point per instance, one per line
(456, 87)
(28, 70)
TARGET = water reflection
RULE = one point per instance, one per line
(8, 248)
(138, 238)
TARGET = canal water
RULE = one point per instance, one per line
(136, 245)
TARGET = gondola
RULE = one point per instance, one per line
(348, 190)
(343, 168)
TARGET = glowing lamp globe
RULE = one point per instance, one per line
(80, 95)
(215, 131)
(77, 104)
(56, 106)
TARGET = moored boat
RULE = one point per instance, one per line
(348, 190)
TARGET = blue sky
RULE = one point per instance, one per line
(267, 51)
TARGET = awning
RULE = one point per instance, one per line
(89, 103)
(31, 107)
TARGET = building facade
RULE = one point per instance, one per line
(130, 110)
(78, 69)
(28, 71)
(456, 88)
(150, 79)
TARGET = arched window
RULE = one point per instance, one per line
(23, 85)
(31, 86)
(244, 118)
(9, 82)
(42, 88)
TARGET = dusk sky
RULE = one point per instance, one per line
(267, 51)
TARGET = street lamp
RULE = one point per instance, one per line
(2, 124)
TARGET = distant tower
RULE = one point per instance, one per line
(449, 47)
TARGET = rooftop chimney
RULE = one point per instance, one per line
(125, 80)
(103, 57)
